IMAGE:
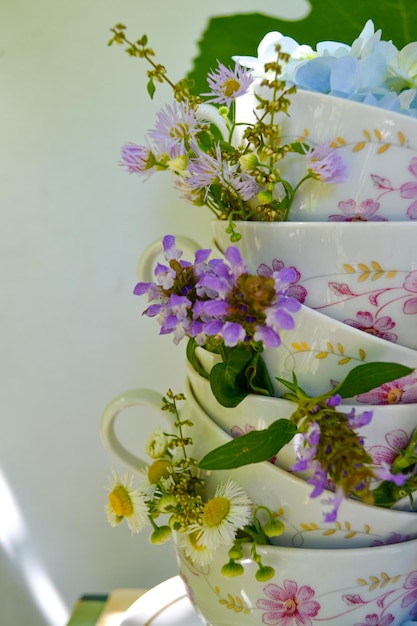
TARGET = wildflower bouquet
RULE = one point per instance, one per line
(234, 169)
(235, 174)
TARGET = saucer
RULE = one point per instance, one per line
(167, 604)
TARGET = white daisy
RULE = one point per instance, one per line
(195, 551)
(126, 502)
(229, 510)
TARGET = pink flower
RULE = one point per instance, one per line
(410, 284)
(288, 606)
(409, 190)
(402, 391)
(295, 291)
(396, 440)
(365, 212)
(375, 620)
(378, 327)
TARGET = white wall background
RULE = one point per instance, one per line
(72, 226)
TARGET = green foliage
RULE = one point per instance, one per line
(335, 20)
(254, 447)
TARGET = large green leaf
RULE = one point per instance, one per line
(328, 19)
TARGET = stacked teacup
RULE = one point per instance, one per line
(357, 283)
(352, 247)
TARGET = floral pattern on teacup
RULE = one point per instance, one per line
(373, 599)
(352, 211)
(378, 309)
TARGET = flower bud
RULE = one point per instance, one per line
(274, 528)
(157, 444)
(248, 161)
(235, 552)
(159, 469)
(232, 569)
(161, 535)
(265, 197)
(167, 504)
(264, 573)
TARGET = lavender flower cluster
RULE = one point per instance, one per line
(218, 298)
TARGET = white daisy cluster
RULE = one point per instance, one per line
(172, 488)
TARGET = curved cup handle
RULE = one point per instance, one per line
(148, 258)
(134, 397)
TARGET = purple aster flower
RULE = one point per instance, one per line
(226, 84)
(176, 127)
(206, 169)
(138, 159)
(326, 164)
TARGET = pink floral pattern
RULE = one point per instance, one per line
(289, 605)
(376, 620)
(378, 327)
(367, 210)
(403, 390)
(352, 212)
(397, 440)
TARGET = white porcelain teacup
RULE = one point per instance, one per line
(362, 274)
(390, 428)
(321, 351)
(359, 587)
(287, 495)
(378, 148)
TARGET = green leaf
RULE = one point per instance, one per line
(335, 20)
(368, 376)
(254, 447)
(151, 88)
(258, 378)
(192, 358)
(227, 391)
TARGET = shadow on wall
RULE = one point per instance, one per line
(27, 586)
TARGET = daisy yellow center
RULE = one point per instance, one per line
(215, 511)
(230, 86)
(394, 395)
(194, 543)
(120, 501)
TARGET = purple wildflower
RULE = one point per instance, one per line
(218, 298)
(206, 169)
(326, 164)
(138, 159)
(226, 84)
(176, 127)
(410, 598)
(334, 501)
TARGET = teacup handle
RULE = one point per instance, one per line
(134, 397)
(147, 260)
